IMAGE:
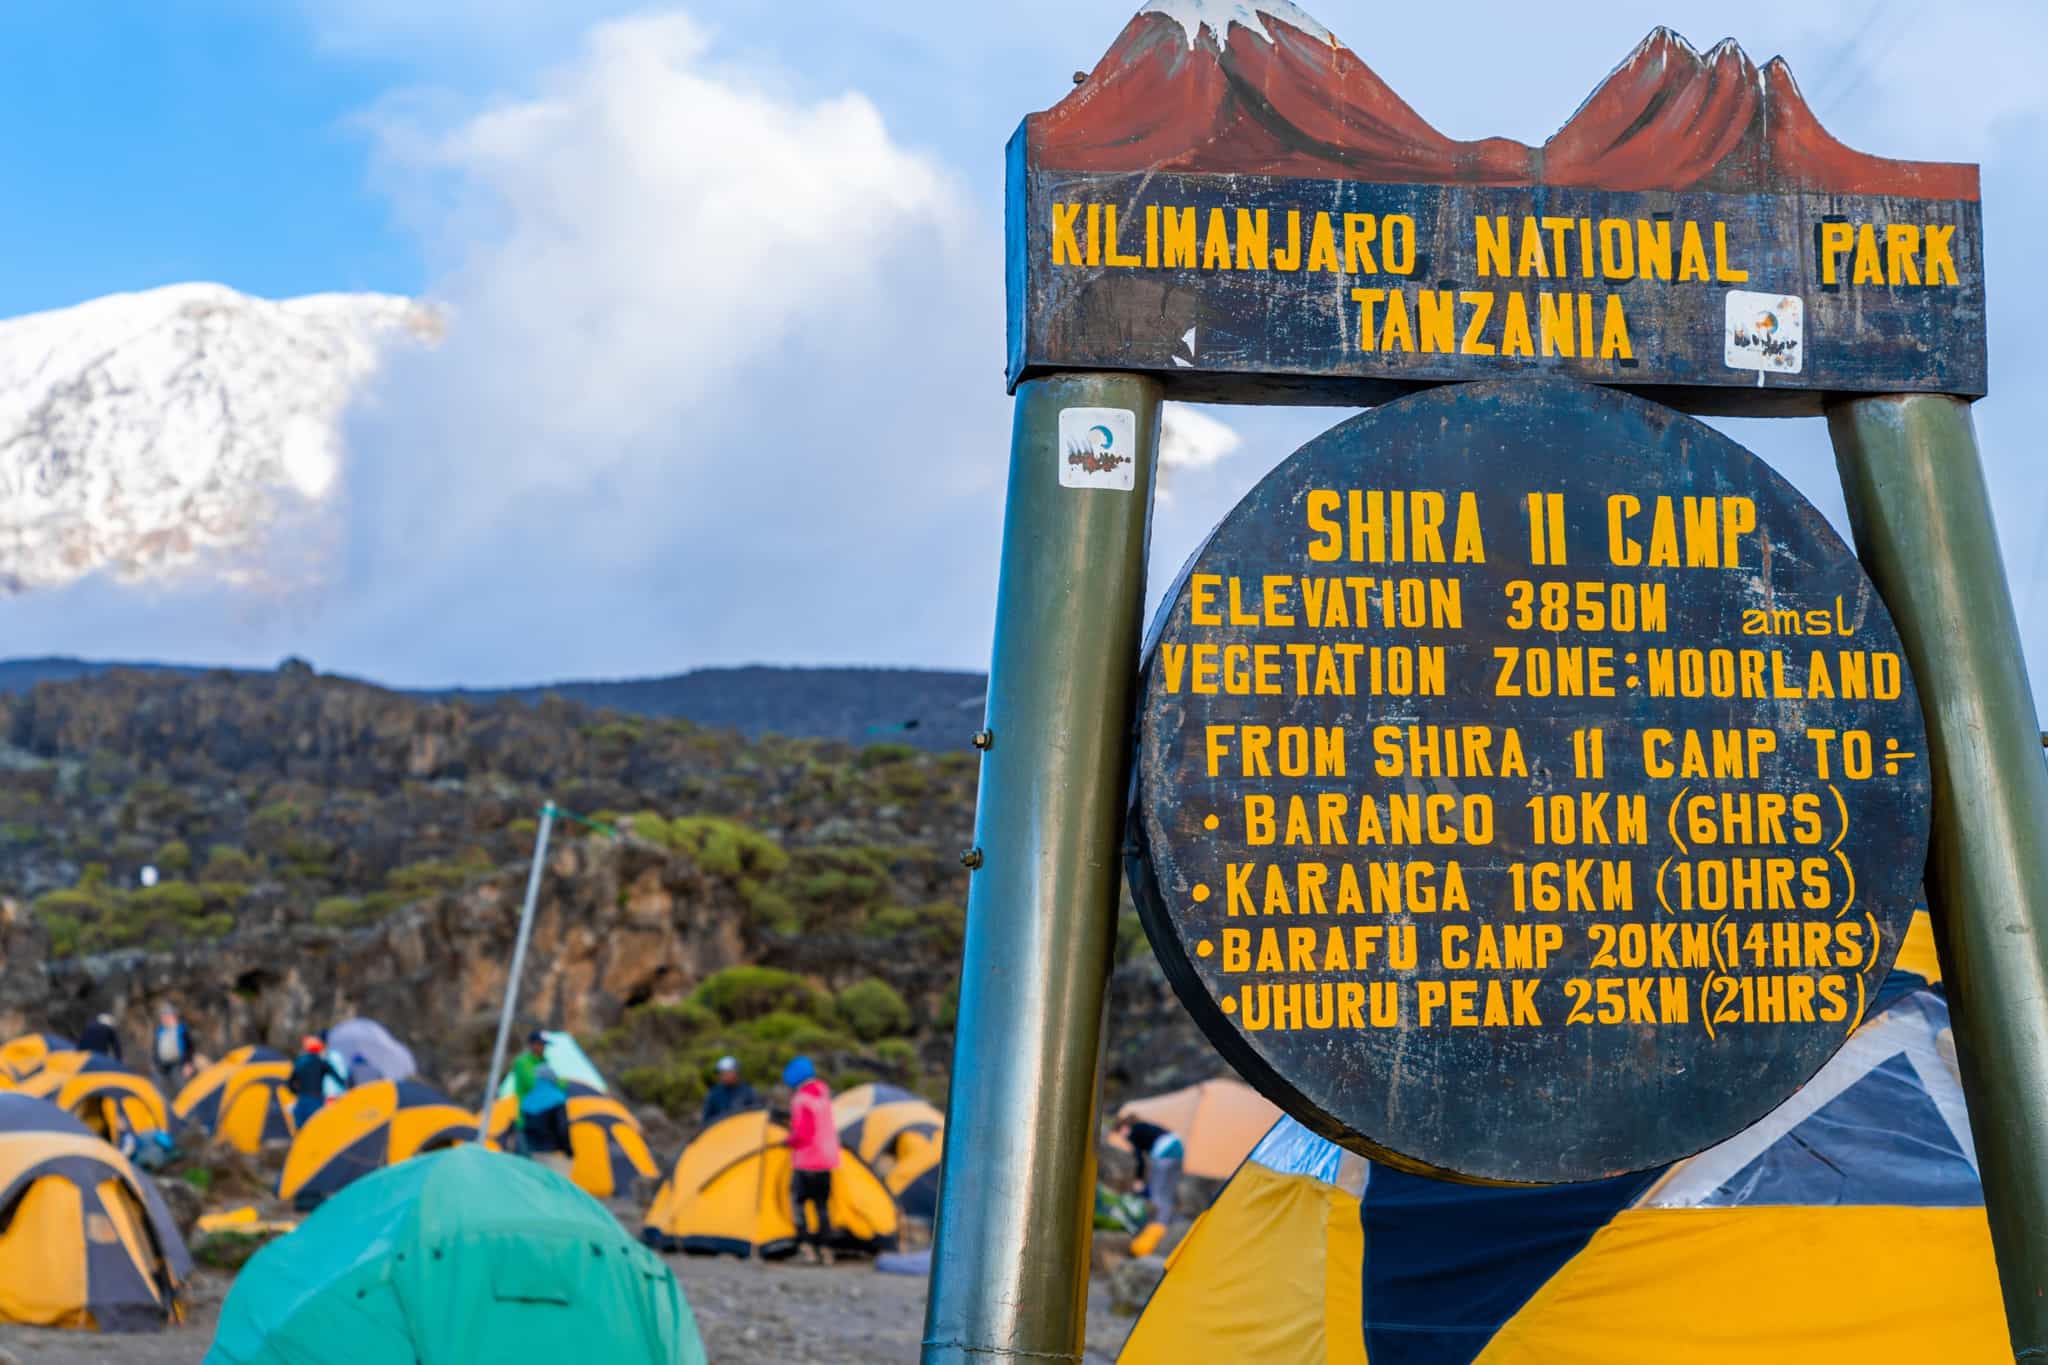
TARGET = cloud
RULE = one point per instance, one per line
(1191, 439)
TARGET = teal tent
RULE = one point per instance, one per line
(461, 1256)
(566, 1057)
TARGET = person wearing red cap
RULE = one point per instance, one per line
(310, 1072)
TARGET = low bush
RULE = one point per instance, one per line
(873, 1010)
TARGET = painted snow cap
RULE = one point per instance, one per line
(1218, 15)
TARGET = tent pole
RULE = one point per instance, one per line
(1010, 1253)
(540, 854)
(1921, 511)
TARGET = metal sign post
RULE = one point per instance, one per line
(1923, 523)
(540, 855)
(1010, 1257)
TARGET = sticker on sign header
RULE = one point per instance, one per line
(1765, 333)
(1098, 448)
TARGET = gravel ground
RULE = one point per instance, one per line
(749, 1314)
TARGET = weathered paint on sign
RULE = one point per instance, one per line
(1253, 216)
(1530, 785)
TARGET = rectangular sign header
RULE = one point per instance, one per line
(1245, 210)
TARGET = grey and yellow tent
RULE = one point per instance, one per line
(729, 1194)
(608, 1155)
(52, 1069)
(198, 1103)
(1847, 1226)
(84, 1241)
(23, 1056)
(367, 1129)
(113, 1101)
(255, 1106)
(899, 1134)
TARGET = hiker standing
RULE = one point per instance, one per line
(543, 1117)
(171, 1050)
(730, 1095)
(100, 1037)
(308, 1083)
(1159, 1155)
(813, 1156)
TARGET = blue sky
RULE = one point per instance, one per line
(659, 437)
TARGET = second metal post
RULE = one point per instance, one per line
(1922, 516)
(1010, 1261)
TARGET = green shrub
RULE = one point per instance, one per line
(675, 1087)
(173, 856)
(619, 733)
(425, 878)
(891, 920)
(880, 755)
(771, 907)
(873, 1009)
(525, 827)
(226, 863)
(723, 847)
(339, 912)
(900, 1053)
(741, 993)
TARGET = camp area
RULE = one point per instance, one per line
(270, 1228)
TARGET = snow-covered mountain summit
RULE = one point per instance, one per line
(140, 431)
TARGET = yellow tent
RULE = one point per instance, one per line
(899, 1134)
(84, 1241)
(1218, 1122)
(23, 1056)
(730, 1192)
(113, 1101)
(608, 1154)
(255, 1106)
(1846, 1226)
(367, 1129)
(198, 1101)
(47, 1076)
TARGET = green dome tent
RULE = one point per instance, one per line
(461, 1256)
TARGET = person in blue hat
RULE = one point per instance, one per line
(813, 1156)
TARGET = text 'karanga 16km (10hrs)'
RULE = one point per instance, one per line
(1530, 785)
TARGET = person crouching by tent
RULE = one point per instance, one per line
(308, 1081)
(730, 1095)
(1159, 1156)
(813, 1156)
(543, 1120)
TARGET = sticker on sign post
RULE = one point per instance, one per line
(1098, 448)
(1765, 333)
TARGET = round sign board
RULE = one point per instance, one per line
(1530, 785)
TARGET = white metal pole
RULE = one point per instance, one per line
(540, 854)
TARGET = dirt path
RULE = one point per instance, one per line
(747, 1312)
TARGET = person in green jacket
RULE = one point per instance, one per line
(542, 1120)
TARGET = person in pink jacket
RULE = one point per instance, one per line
(813, 1156)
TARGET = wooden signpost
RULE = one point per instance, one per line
(1524, 783)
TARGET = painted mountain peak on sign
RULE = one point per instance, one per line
(1218, 16)
(1258, 87)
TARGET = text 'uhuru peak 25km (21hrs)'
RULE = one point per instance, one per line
(1530, 785)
